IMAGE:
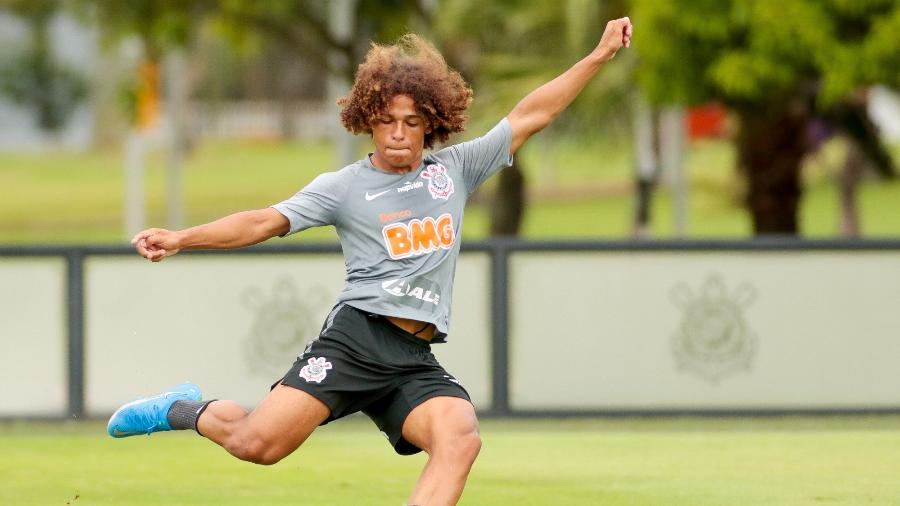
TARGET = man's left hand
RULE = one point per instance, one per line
(616, 36)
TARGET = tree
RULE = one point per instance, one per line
(34, 78)
(159, 26)
(778, 65)
(507, 48)
(488, 42)
(332, 35)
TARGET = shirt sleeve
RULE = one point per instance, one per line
(481, 158)
(315, 205)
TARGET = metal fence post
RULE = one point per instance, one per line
(500, 328)
(75, 305)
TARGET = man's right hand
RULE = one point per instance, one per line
(154, 244)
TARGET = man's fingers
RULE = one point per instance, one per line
(144, 246)
(151, 244)
(143, 234)
(157, 255)
(149, 250)
(618, 32)
(627, 29)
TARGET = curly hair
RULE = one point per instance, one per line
(411, 67)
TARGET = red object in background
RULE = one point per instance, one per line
(706, 121)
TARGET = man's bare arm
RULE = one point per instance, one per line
(543, 105)
(234, 231)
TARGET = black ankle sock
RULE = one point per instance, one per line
(184, 414)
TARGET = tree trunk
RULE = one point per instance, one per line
(508, 206)
(771, 147)
(854, 165)
(646, 147)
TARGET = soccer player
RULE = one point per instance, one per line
(398, 214)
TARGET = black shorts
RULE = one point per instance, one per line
(362, 362)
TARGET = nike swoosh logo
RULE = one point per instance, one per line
(373, 197)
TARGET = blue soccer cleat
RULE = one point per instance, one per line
(148, 415)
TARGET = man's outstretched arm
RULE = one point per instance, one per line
(234, 231)
(543, 105)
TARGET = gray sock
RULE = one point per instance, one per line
(184, 414)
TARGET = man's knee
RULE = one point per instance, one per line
(470, 445)
(256, 450)
(461, 446)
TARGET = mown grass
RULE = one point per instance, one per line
(579, 190)
(618, 462)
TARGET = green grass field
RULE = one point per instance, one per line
(580, 191)
(848, 461)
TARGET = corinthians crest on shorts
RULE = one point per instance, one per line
(439, 183)
(315, 370)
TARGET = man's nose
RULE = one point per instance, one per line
(398, 132)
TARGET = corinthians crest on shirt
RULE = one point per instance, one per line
(439, 183)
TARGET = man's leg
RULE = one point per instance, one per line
(277, 427)
(447, 429)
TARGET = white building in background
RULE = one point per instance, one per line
(884, 109)
(76, 46)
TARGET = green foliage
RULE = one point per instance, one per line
(304, 27)
(160, 24)
(748, 51)
(38, 82)
(33, 78)
(508, 48)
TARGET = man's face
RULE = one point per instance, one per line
(399, 135)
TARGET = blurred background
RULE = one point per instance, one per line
(727, 122)
(730, 183)
(726, 119)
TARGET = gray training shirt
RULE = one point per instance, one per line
(400, 233)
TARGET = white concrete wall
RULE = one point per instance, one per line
(693, 330)
(605, 330)
(33, 344)
(235, 324)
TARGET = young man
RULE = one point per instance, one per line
(398, 214)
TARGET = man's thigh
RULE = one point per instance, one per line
(391, 412)
(285, 418)
(437, 418)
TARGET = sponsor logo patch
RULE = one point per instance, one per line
(439, 183)
(394, 216)
(315, 370)
(409, 186)
(423, 291)
(418, 237)
(371, 197)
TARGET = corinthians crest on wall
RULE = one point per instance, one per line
(713, 340)
(284, 321)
